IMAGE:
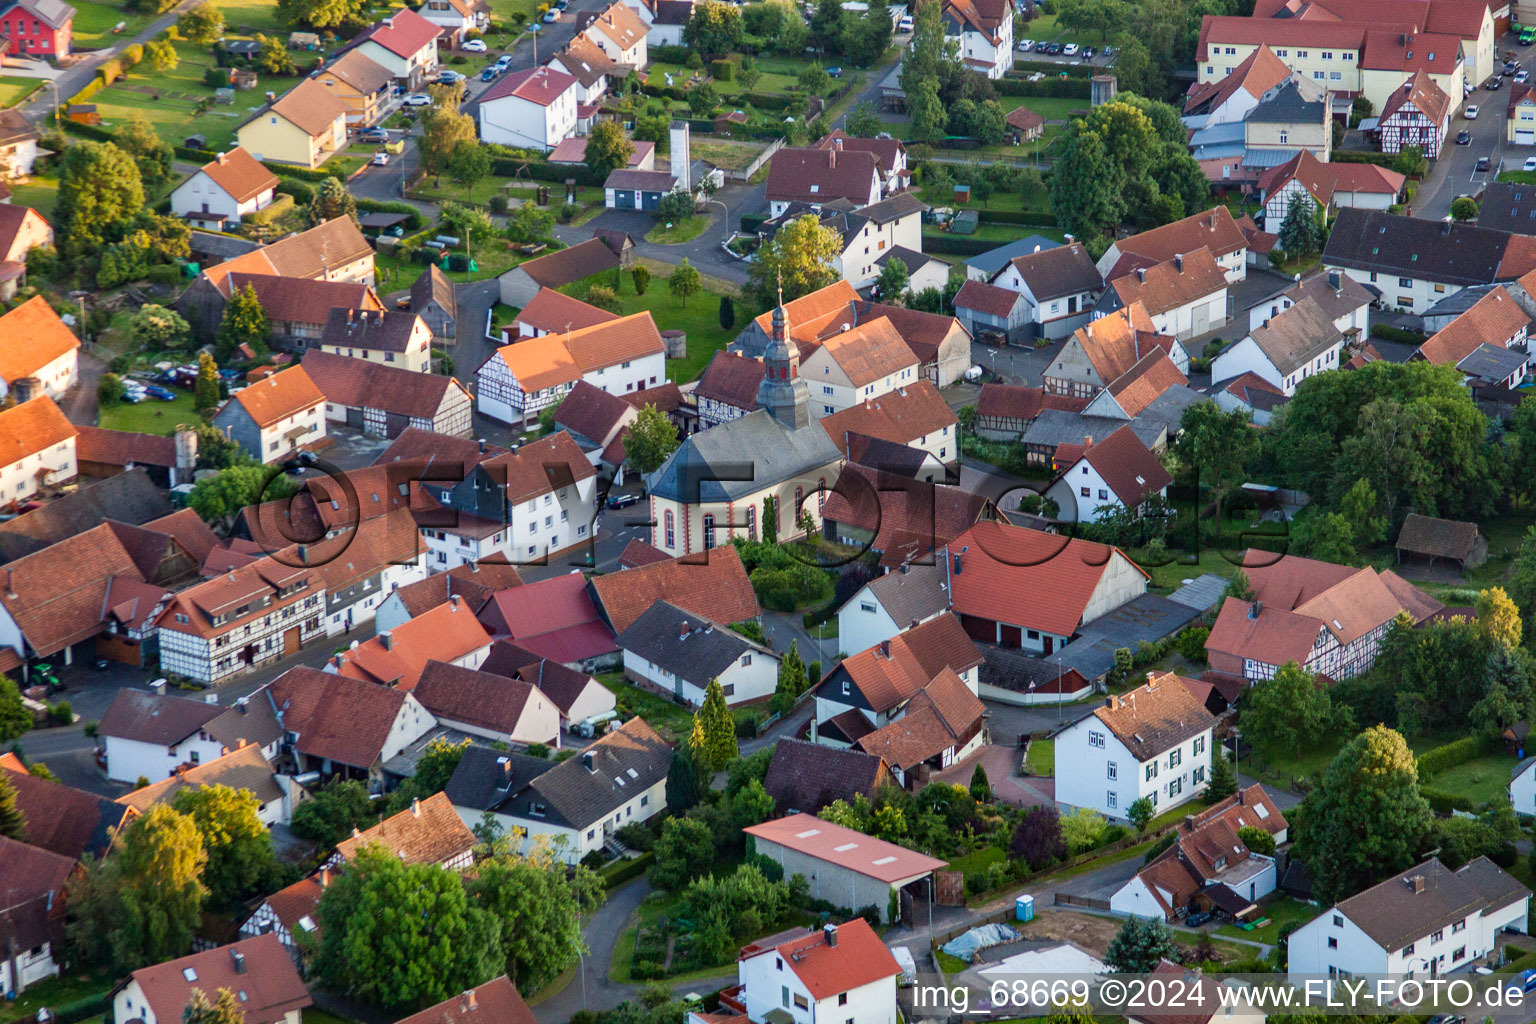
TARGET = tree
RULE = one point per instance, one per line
(99, 188)
(528, 223)
(1215, 447)
(333, 812)
(981, 786)
(137, 137)
(110, 389)
(684, 851)
(893, 280)
(1299, 234)
(1037, 837)
(539, 911)
(685, 281)
(674, 207)
(1223, 777)
(771, 519)
(244, 323)
(1464, 208)
(1361, 507)
(238, 845)
(651, 439)
(1411, 162)
(443, 128)
(226, 1010)
(402, 936)
(320, 14)
(608, 148)
(1366, 819)
(205, 393)
(1136, 70)
(218, 499)
(714, 730)
(864, 121)
(15, 719)
(927, 113)
(1522, 581)
(161, 55)
(1141, 812)
(827, 28)
(714, 29)
(1091, 15)
(274, 58)
(215, 450)
(13, 824)
(155, 327)
(1140, 945)
(332, 200)
(143, 905)
(641, 274)
(791, 682)
(1083, 828)
(1288, 711)
(866, 38)
(727, 313)
(1257, 840)
(799, 258)
(603, 297)
(703, 99)
(1499, 617)
(202, 25)
(684, 786)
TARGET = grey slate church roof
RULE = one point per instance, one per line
(740, 458)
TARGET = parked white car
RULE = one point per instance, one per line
(474, 46)
(418, 99)
(1070, 50)
(1471, 113)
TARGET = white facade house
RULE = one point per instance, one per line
(133, 752)
(676, 651)
(1119, 473)
(858, 365)
(457, 16)
(1522, 788)
(621, 34)
(892, 604)
(404, 44)
(242, 619)
(1425, 921)
(838, 974)
(1285, 351)
(158, 994)
(984, 30)
(42, 449)
(227, 188)
(620, 357)
(276, 416)
(1340, 296)
(1110, 759)
(1060, 285)
(530, 109)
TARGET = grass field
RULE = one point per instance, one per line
(94, 21)
(170, 98)
(1482, 780)
(977, 860)
(1045, 30)
(1280, 912)
(41, 193)
(732, 156)
(685, 230)
(13, 90)
(698, 317)
(67, 988)
(248, 17)
(1052, 108)
(150, 416)
(1042, 758)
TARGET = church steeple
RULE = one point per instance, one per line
(782, 393)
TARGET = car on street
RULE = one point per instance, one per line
(835, 72)
(1510, 67)
(623, 500)
(373, 135)
(504, 61)
(163, 394)
(490, 73)
(447, 76)
(905, 25)
(1196, 920)
(1495, 83)
(1521, 76)
(1463, 138)
(1025, 45)
(1530, 164)
(552, 15)
(1471, 113)
(1089, 52)
(1483, 163)
(1070, 50)
(379, 159)
(1525, 981)
(1528, 35)
(474, 46)
(418, 99)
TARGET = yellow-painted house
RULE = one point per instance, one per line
(360, 83)
(306, 126)
(1520, 129)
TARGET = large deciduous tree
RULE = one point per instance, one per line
(218, 499)
(651, 438)
(539, 914)
(1288, 711)
(1366, 819)
(798, 258)
(608, 148)
(244, 323)
(99, 189)
(714, 29)
(1215, 448)
(239, 847)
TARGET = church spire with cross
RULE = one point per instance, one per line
(782, 393)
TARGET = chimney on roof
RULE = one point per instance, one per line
(1333, 279)
(355, 832)
(415, 807)
(1415, 884)
(10, 591)
(239, 961)
(1037, 248)
(481, 444)
(1141, 274)
(837, 144)
(1255, 609)
(586, 761)
(885, 648)
(830, 931)
(387, 638)
(1178, 262)
(1087, 441)
(832, 160)
(304, 553)
(467, 1001)
(682, 629)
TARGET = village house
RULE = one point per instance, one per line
(276, 416)
(404, 43)
(341, 726)
(727, 390)
(1426, 920)
(18, 145)
(536, 503)
(555, 270)
(1286, 350)
(1153, 743)
(843, 866)
(1005, 411)
(552, 312)
(915, 416)
(433, 299)
(586, 62)
(290, 912)
(496, 1001)
(492, 707)
(38, 28)
(243, 768)
(448, 633)
(64, 821)
(1021, 588)
(597, 422)
(1213, 229)
(819, 176)
(1184, 296)
(382, 400)
(871, 237)
(579, 697)
(22, 229)
(305, 126)
(33, 880)
(457, 19)
(621, 34)
(400, 339)
(297, 308)
(1060, 285)
(1327, 618)
(227, 188)
(984, 29)
(37, 449)
(259, 967)
(985, 307)
(805, 777)
(574, 805)
(1024, 125)
(890, 154)
(1345, 301)
(473, 582)
(427, 832)
(533, 108)
(1148, 380)
(554, 619)
(1328, 186)
(36, 346)
(892, 604)
(1116, 474)
(150, 736)
(1099, 352)
(1417, 114)
(681, 654)
(1209, 869)
(866, 362)
(1492, 332)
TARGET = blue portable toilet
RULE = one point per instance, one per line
(1024, 908)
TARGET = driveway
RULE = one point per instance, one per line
(1002, 767)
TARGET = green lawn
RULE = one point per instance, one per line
(53, 993)
(685, 230)
(94, 21)
(150, 416)
(41, 193)
(1044, 29)
(1279, 913)
(315, 1015)
(13, 90)
(1052, 108)
(977, 860)
(170, 99)
(1482, 780)
(950, 964)
(699, 317)
(725, 153)
(1042, 757)
(672, 721)
(248, 17)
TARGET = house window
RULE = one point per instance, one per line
(842, 999)
(1199, 745)
(1111, 769)
(799, 499)
(1103, 494)
(801, 1003)
(1096, 739)
(1151, 771)
(752, 523)
(821, 495)
(1175, 757)
(1405, 282)
(1083, 491)
(671, 537)
(1437, 936)
(867, 606)
(1199, 775)
(1333, 943)
(1459, 926)
(709, 532)
(1338, 920)
(1111, 799)
(1460, 954)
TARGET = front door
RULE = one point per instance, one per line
(291, 641)
(1047, 644)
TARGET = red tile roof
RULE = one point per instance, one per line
(1128, 466)
(239, 174)
(554, 618)
(281, 395)
(259, 968)
(1492, 320)
(123, 448)
(557, 313)
(495, 1002)
(731, 379)
(335, 716)
(539, 467)
(1212, 229)
(57, 596)
(821, 175)
(542, 85)
(857, 958)
(1145, 382)
(404, 33)
(902, 416)
(1173, 283)
(849, 850)
(1011, 402)
(31, 337)
(715, 587)
(36, 425)
(895, 670)
(987, 298)
(397, 657)
(429, 831)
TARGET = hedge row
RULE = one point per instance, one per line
(633, 868)
(82, 1009)
(1062, 88)
(1351, 156)
(540, 170)
(957, 245)
(1445, 802)
(1025, 68)
(1450, 755)
(1389, 333)
(415, 222)
(669, 54)
(1031, 219)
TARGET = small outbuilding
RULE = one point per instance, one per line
(1441, 540)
